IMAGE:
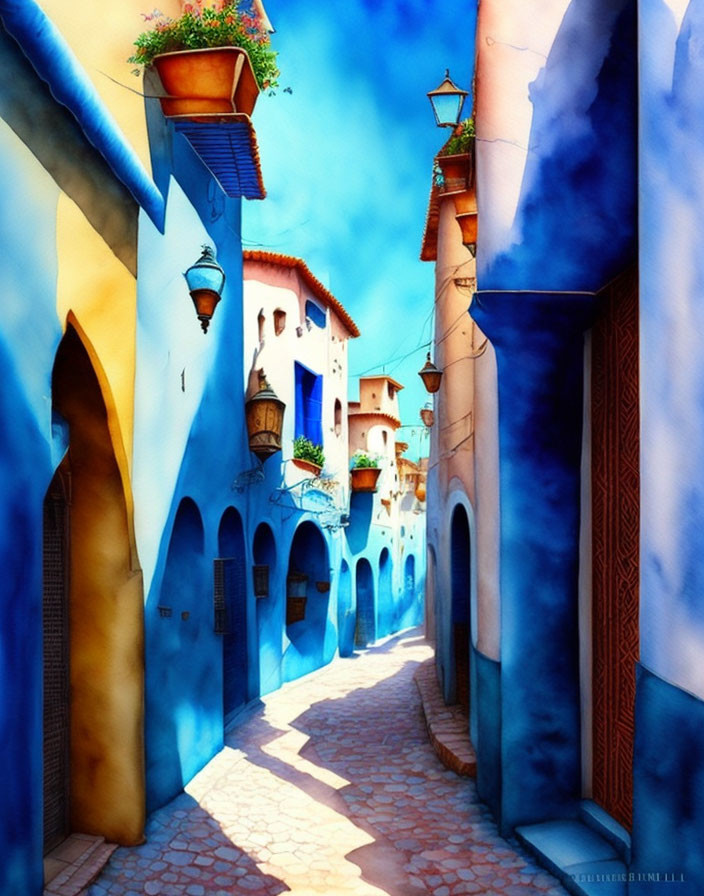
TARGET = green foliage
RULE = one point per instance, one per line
(304, 449)
(201, 27)
(461, 140)
(361, 460)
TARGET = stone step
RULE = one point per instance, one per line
(448, 726)
(586, 863)
(85, 866)
(607, 827)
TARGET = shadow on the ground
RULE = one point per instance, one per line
(381, 862)
(183, 840)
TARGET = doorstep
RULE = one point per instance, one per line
(448, 726)
(75, 863)
(588, 854)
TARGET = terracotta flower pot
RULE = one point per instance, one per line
(363, 479)
(468, 226)
(456, 172)
(465, 202)
(307, 465)
(211, 81)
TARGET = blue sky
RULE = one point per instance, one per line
(347, 158)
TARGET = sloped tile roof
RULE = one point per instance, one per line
(311, 281)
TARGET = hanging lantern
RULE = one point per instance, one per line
(427, 415)
(447, 100)
(205, 281)
(264, 413)
(420, 490)
(431, 375)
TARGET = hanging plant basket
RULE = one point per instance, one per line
(364, 479)
(323, 587)
(210, 81)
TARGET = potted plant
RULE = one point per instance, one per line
(454, 159)
(364, 473)
(308, 456)
(212, 60)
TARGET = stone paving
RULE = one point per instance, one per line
(331, 788)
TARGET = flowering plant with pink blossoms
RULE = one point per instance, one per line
(210, 24)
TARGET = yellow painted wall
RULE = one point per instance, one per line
(101, 34)
(102, 294)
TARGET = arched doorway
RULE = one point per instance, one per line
(387, 610)
(312, 637)
(231, 593)
(365, 629)
(345, 613)
(268, 601)
(93, 624)
(408, 615)
(184, 693)
(460, 573)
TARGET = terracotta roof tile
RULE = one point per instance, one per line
(311, 281)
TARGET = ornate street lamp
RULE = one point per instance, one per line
(431, 375)
(205, 281)
(427, 415)
(447, 100)
(264, 413)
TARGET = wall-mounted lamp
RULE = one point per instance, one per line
(447, 100)
(264, 413)
(205, 281)
(431, 375)
(427, 415)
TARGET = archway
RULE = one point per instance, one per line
(408, 615)
(460, 572)
(231, 592)
(387, 610)
(312, 637)
(365, 629)
(345, 613)
(93, 624)
(267, 594)
(184, 693)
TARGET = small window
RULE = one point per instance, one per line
(260, 322)
(385, 437)
(315, 314)
(279, 321)
(392, 390)
(309, 404)
(338, 417)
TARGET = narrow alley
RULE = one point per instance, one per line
(330, 788)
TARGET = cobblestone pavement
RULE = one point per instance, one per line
(331, 789)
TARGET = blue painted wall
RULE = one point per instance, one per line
(214, 450)
(270, 609)
(576, 217)
(668, 796)
(487, 700)
(29, 335)
(345, 611)
(313, 641)
(539, 349)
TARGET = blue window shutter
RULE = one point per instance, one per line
(299, 424)
(309, 404)
(314, 411)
